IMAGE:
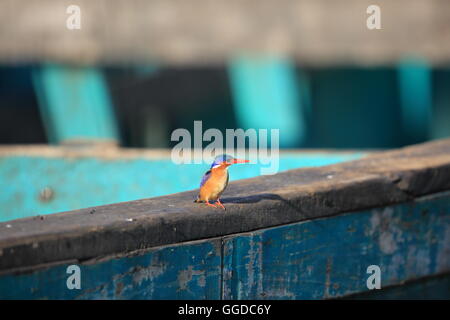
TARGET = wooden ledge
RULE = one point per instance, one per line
(378, 180)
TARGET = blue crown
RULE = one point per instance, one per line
(219, 159)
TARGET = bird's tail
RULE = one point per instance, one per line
(198, 200)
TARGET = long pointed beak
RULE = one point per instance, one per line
(239, 161)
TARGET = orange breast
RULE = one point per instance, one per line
(216, 184)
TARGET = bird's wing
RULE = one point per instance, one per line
(205, 178)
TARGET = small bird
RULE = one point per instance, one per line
(215, 180)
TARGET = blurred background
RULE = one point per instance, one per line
(137, 70)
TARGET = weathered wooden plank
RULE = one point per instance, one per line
(328, 258)
(182, 271)
(382, 179)
(38, 181)
(199, 32)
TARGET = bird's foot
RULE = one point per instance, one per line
(210, 204)
(220, 204)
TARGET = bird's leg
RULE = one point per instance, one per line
(220, 204)
(210, 204)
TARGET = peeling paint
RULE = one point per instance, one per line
(384, 222)
(288, 263)
(141, 274)
(396, 267)
(279, 293)
(418, 260)
(253, 264)
(308, 260)
(185, 276)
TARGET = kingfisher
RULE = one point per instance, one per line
(215, 180)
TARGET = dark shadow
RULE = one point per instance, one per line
(270, 196)
(253, 199)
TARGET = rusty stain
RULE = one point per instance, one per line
(328, 277)
(141, 274)
(185, 276)
(279, 292)
(119, 289)
(201, 281)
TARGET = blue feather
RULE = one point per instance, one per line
(205, 178)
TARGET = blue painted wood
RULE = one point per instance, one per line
(185, 271)
(267, 95)
(432, 288)
(316, 259)
(415, 87)
(75, 104)
(80, 182)
(328, 257)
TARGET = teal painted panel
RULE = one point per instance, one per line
(85, 182)
(328, 257)
(415, 86)
(440, 127)
(355, 108)
(268, 95)
(74, 103)
(186, 271)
